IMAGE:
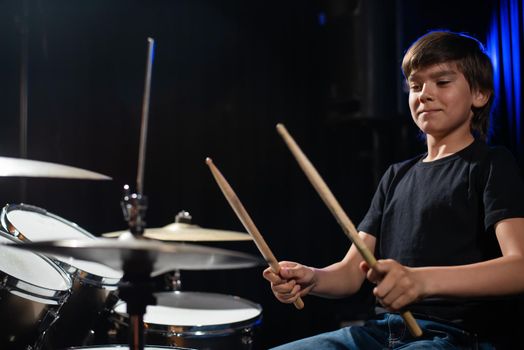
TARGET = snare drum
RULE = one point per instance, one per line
(198, 320)
(32, 290)
(92, 282)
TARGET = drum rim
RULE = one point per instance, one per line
(76, 272)
(87, 277)
(7, 224)
(200, 331)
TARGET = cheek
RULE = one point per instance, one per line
(413, 102)
(462, 105)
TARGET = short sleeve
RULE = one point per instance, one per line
(373, 218)
(504, 188)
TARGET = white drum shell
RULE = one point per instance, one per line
(29, 223)
(196, 320)
(91, 282)
(32, 291)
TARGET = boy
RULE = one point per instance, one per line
(447, 226)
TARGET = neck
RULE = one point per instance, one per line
(443, 147)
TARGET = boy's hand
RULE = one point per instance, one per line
(292, 281)
(397, 285)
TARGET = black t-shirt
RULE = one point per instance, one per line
(442, 213)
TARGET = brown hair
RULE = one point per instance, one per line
(471, 60)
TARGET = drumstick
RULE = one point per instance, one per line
(244, 217)
(341, 217)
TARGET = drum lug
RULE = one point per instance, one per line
(50, 317)
(48, 320)
(246, 338)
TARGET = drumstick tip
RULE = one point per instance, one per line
(281, 129)
(209, 161)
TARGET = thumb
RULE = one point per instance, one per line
(364, 267)
(371, 273)
(288, 272)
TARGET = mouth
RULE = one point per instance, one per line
(426, 112)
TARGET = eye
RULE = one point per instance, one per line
(443, 82)
(414, 87)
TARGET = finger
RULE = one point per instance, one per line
(287, 264)
(276, 276)
(272, 277)
(290, 296)
(295, 272)
(383, 266)
(374, 276)
(284, 287)
(384, 287)
(387, 297)
(381, 270)
(398, 303)
(406, 292)
(283, 266)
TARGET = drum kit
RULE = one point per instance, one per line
(64, 288)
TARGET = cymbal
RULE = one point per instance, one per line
(19, 167)
(182, 232)
(165, 257)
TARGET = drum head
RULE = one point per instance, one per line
(31, 275)
(30, 223)
(37, 224)
(197, 311)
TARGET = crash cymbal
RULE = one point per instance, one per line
(18, 167)
(165, 257)
(182, 232)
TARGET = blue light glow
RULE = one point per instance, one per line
(515, 37)
(322, 19)
(492, 49)
(504, 45)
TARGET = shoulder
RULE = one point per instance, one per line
(502, 185)
(490, 165)
(400, 167)
(396, 170)
(490, 153)
(501, 154)
(495, 158)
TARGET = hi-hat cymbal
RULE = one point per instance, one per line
(19, 167)
(164, 256)
(182, 232)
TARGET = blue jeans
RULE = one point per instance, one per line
(389, 331)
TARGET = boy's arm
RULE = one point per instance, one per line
(337, 280)
(402, 285)
(344, 277)
(499, 276)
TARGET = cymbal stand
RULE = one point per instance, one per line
(173, 280)
(134, 207)
(137, 291)
(136, 288)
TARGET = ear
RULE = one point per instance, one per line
(480, 98)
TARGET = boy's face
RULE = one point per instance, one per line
(441, 101)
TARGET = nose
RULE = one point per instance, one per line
(426, 94)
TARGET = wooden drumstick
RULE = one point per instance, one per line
(341, 217)
(244, 217)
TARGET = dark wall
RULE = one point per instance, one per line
(225, 72)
